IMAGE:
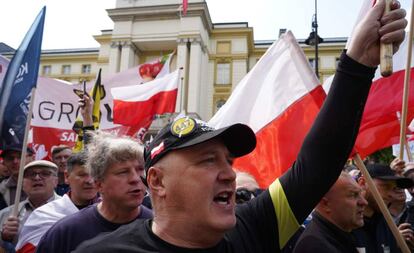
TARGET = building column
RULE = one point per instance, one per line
(194, 76)
(182, 62)
(114, 57)
(127, 55)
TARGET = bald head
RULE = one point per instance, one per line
(343, 205)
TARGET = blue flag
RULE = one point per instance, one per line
(20, 78)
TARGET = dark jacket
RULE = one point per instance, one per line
(375, 236)
(323, 236)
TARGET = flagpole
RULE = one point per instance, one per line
(407, 147)
(182, 90)
(23, 155)
(406, 91)
(384, 210)
(386, 51)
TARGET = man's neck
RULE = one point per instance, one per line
(61, 178)
(77, 201)
(118, 215)
(177, 232)
(396, 208)
(39, 201)
(329, 219)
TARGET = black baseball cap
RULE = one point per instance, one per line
(384, 172)
(186, 131)
(15, 147)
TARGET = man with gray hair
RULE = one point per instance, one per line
(39, 182)
(116, 164)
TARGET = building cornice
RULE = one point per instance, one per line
(162, 12)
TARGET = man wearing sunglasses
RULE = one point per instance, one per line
(246, 187)
(39, 182)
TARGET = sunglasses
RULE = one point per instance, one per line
(244, 195)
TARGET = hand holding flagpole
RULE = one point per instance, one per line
(386, 51)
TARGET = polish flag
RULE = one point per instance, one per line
(380, 125)
(137, 105)
(279, 99)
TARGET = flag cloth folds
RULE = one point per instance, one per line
(136, 106)
(20, 78)
(41, 220)
(380, 126)
(279, 99)
(97, 93)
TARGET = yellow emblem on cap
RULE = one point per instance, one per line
(183, 126)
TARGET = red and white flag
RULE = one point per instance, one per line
(56, 105)
(136, 106)
(185, 7)
(41, 220)
(279, 99)
(380, 126)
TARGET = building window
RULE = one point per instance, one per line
(312, 62)
(224, 47)
(219, 104)
(223, 74)
(46, 70)
(86, 68)
(66, 69)
(336, 62)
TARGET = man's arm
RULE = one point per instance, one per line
(332, 136)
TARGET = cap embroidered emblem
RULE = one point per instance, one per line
(158, 149)
(183, 126)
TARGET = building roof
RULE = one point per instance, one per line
(4, 48)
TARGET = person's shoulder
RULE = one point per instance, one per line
(309, 242)
(127, 236)
(6, 210)
(146, 213)
(3, 186)
(73, 220)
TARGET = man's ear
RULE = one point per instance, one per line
(324, 204)
(98, 184)
(155, 181)
(361, 181)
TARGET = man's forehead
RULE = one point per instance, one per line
(10, 153)
(79, 168)
(67, 151)
(383, 182)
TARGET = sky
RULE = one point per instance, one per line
(72, 23)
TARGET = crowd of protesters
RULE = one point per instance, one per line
(180, 192)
